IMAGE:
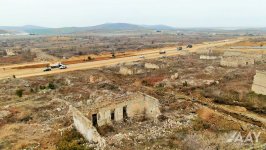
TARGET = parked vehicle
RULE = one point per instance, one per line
(189, 46)
(63, 67)
(141, 56)
(57, 65)
(47, 69)
(162, 52)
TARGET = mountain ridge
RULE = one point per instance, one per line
(31, 29)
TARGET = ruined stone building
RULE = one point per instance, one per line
(10, 52)
(259, 82)
(207, 57)
(236, 58)
(130, 106)
(138, 68)
(236, 61)
(107, 112)
(130, 70)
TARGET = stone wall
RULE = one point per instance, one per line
(151, 66)
(206, 57)
(84, 126)
(259, 83)
(10, 52)
(236, 61)
(130, 70)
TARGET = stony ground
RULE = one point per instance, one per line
(33, 114)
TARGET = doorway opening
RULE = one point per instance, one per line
(113, 115)
(125, 112)
(94, 120)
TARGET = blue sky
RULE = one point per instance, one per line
(178, 13)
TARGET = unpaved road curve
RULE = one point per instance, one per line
(8, 72)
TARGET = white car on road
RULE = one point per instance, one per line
(141, 56)
(63, 67)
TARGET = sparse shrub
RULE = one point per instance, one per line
(89, 58)
(160, 91)
(145, 83)
(19, 92)
(162, 118)
(185, 84)
(51, 86)
(103, 130)
(26, 118)
(199, 125)
(108, 86)
(42, 87)
(71, 140)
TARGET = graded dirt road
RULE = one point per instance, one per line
(8, 71)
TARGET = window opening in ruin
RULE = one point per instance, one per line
(246, 63)
(113, 115)
(125, 112)
(94, 120)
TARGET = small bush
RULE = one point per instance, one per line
(185, 84)
(90, 58)
(42, 87)
(162, 118)
(71, 140)
(19, 92)
(104, 130)
(200, 125)
(51, 86)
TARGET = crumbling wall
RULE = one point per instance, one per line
(151, 107)
(136, 105)
(104, 117)
(151, 66)
(237, 61)
(84, 126)
(206, 57)
(126, 71)
(118, 113)
(259, 82)
(130, 70)
(10, 52)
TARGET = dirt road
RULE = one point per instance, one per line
(8, 71)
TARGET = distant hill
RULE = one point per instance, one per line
(113, 27)
(68, 30)
(20, 28)
(116, 26)
(3, 32)
(129, 27)
(159, 27)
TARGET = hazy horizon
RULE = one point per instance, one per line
(176, 13)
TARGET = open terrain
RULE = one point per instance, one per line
(203, 103)
(9, 71)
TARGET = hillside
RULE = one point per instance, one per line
(116, 26)
(108, 27)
